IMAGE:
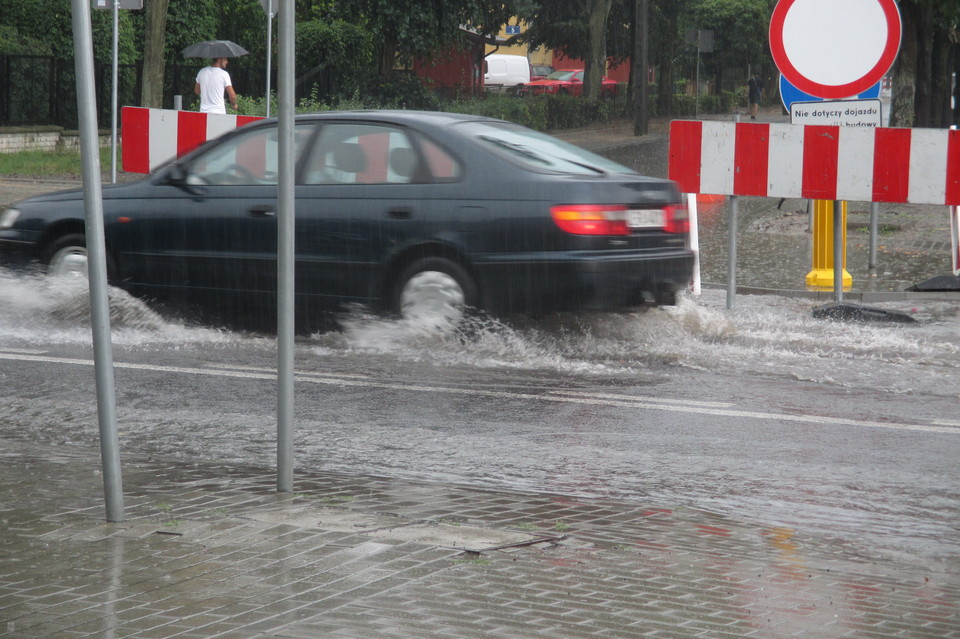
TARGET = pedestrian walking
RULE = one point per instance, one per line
(212, 82)
(755, 90)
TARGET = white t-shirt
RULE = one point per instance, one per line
(213, 82)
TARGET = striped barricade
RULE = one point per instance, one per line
(917, 166)
(152, 136)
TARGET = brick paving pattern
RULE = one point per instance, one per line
(214, 551)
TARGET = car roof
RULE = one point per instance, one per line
(400, 116)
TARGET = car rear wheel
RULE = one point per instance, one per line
(434, 289)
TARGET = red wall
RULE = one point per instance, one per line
(455, 71)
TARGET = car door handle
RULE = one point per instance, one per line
(262, 211)
(400, 214)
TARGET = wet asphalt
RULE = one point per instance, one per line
(213, 550)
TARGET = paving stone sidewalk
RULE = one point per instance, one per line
(214, 551)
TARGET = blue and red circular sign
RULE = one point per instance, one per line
(835, 50)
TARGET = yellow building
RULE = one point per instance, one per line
(537, 56)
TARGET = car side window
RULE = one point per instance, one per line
(250, 158)
(443, 166)
(351, 153)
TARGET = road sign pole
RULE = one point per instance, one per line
(269, 48)
(96, 260)
(732, 251)
(839, 242)
(285, 251)
(874, 222)
(113, 92)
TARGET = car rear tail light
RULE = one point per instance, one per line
(678, 221)
(607, 219)
(591, 219)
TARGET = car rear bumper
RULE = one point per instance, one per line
(586, 282)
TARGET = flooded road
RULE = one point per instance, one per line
(761, 413)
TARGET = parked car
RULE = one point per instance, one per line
(405, 212)
(567, 82)
(540, 71)
(505, 73)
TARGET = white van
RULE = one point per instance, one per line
(504, 73)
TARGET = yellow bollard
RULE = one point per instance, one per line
(821, 277)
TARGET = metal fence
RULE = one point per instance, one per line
(41, 90)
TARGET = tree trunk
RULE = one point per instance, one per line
(944, 53)
(596, 63)
(387, 58)
(154, 44)
(905, 71)
(923, 98)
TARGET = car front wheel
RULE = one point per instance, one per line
(434, 289)
(67, 256)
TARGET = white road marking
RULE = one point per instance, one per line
(682, 406)
(273, 371)
(644, 398)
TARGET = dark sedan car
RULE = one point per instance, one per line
(400, 211)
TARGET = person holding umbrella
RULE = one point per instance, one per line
(212, 81)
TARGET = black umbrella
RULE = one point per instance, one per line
(214, 49)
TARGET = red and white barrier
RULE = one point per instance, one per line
(917, 166)
(153, 136)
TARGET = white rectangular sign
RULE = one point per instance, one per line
(122, 4)
(865, 113)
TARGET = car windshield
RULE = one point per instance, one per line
(539, 151)
(561, 75)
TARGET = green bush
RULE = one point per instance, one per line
(542, 112)
(686, 105)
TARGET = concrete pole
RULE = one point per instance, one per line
(285, 249)
(96, 259)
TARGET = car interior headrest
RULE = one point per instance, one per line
(350, 158)
(403, 162)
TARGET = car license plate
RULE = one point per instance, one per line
(645, 218)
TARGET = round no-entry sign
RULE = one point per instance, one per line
(833, 49)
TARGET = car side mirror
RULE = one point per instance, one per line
(176, 175)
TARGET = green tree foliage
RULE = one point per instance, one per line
(407, 29)
(189, 21)
(740, 29)
(667, 48)
(338, 47)
(45, 27)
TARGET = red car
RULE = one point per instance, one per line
(567, 81)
